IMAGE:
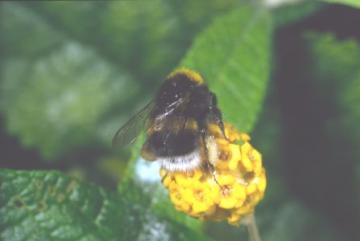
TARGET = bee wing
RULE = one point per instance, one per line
(131, 129)
(173, 106)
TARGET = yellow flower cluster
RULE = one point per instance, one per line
(231, 191)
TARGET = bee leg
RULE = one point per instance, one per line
(209, 167)
(163, 178)
(216, 114)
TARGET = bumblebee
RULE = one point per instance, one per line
(176, 122)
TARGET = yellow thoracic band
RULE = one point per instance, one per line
(194, 76)
(231, 192)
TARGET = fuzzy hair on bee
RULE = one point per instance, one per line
(176, 123)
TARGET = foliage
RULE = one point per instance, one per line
(50, 206)
(284, 15)
(69, 105)
(72, 73)
(339, 74)
(234, 58)
(331, 65)
(353, 3)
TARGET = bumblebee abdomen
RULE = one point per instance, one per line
(165, 143)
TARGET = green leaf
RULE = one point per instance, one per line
(330, 63)
(336, 64)
(290, 13)
(233, 54)
(352, 3)
(205, 11)
(37, 206)
(18, 23)
(142, 36)
(55, 103)
(50, 206)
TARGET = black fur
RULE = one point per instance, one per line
(166, 144)
(197, 103)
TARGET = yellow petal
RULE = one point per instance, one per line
(227, 202)
(182, 180)
(163, 172)
(262, 183)
(244, 137)
(251, 188)
(234, 219)
(197, 174)
(167, 181)
(199, 207)
(244, 210)
(225, 179)
(245, 161)
(239, 192)
(235, 157)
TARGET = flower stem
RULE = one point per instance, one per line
(252, 228)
